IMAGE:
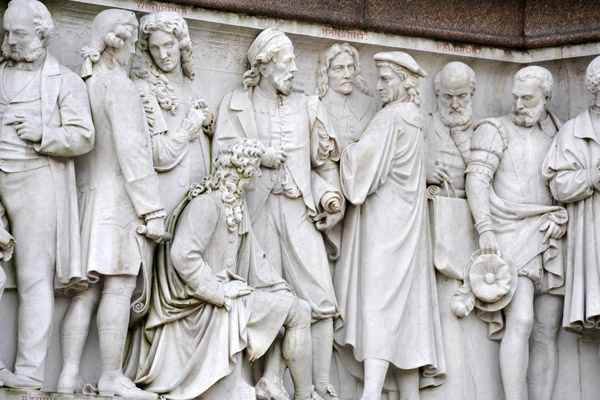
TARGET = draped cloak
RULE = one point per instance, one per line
(384, 278)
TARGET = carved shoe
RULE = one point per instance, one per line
(266, 389)
(69, 383)
(8, 379)
(122, 386)
(327, 393)
(313, 396)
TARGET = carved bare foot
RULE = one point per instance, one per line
(327, 392)
(120, 385)
(69, 383)
(268, 389)
(8, 379)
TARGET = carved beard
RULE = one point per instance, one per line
(283, 85)
(528, 116)
(19, 53)
(453, 118)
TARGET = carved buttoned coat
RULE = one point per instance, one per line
(117, 182)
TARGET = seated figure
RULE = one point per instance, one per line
(215, 294)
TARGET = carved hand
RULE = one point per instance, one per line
(438, 173)
(235, 289)
(595, 176)
(195, 118)
(29, 128)
(488, 243)
(274, 156)
(553, 230)
(325, 221)
(155, 229)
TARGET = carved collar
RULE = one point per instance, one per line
(357, 102)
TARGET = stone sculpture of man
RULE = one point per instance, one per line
(448, 134)
(384, 280)
(350, 107)
(284, 205)
(217, 295)
(344, 93)
(118, 192)
(572, 168)
(179, 121)
(448, 131)
(46, 121)
(517, 218)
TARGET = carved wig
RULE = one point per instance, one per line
(144, 66)
(325, 60)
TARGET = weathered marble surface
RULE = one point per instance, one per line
(220, 47)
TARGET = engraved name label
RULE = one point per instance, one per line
(343, 34)
(458, 49)
(161, 7)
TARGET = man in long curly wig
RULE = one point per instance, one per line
(179, 120)
(216, 297)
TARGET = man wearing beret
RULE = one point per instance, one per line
(292, 201)
(518, 219)
(384, 263)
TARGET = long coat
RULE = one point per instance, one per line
(117, 182)
(576, 151)
(67, 131)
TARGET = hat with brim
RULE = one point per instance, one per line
(402, 59)
(493, 280)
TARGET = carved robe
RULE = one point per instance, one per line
(193, 332)
(384, 279)
(349, 116)
(574, 153)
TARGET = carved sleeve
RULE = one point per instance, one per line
(190, 242)
(169, 144)
(324, 144)
(567, 168)
(132, 146)
(487, 146)
(74, 133)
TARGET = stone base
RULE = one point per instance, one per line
(20, 394)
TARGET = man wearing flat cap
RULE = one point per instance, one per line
(291, 202)
(517, 218)
(385, 261)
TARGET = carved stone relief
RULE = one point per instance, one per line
(245, 213)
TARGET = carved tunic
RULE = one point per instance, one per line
(453, 148)
(194, 332)
(574, 154)
(509, 158)
(384, 279)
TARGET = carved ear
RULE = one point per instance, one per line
(262, 68)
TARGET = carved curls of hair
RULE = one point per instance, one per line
(325, 60)
(234, 166)
(252, 76)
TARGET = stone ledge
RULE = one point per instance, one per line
(20, 394)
